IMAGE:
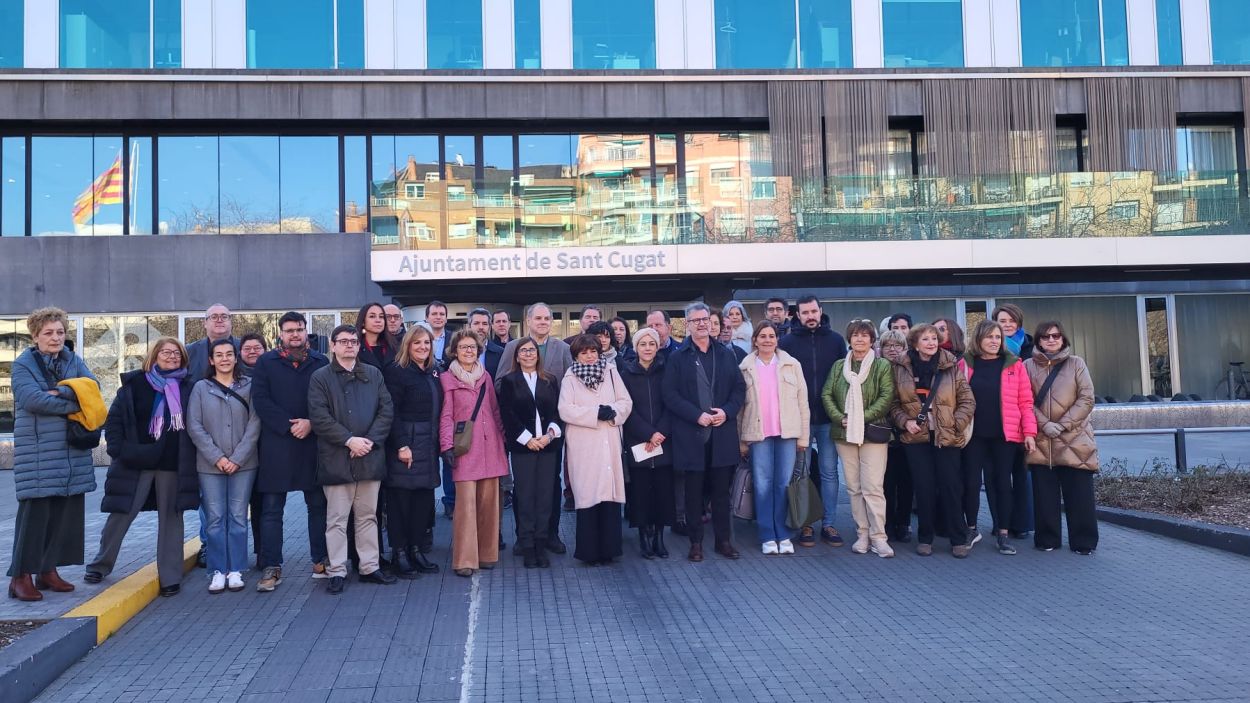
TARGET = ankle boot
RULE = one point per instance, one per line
(401, 566)
(52, 581)
(658, 547)
(21, 588)
(420, 563)
(644, 538)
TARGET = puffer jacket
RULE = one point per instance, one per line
(44, 465)
(878, 391)
(221, 426)
(796, 419)
(951, 410)
(1016, 397)
(1069, 402)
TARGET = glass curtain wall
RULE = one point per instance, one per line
(76, 185)
(919, 33)
(1060, 33)
(1207, 149)
(825, 34)
(1168, 23)
(12, 33)
(453, 35)
(608, 35)
(527, 33)
(350, 39)
(13, 186)
(1230, 32)
(1211, 331)
(731, 191)
(754, 34)
(290, 34)
(105, 34)
(167, 34)
(546, 188)
(1115, 32)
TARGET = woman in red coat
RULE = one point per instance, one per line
(1003, 421)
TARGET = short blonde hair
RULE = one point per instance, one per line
(37, 320)
(150, 362)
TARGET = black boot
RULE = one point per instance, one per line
(645, 534)
(418, 561)
(658, 547)
(401, 567)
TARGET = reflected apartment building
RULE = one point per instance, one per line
(1085, 159)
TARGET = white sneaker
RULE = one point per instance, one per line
(882, 548)
(974, 537)
(769, 548)
(785, 546)
(218, 584)
(234, 581)
(861, 545)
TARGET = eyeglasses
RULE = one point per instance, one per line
(394, 317)
(527, 350)
(219, 318)
(467, 347)
(170, 353)
(347, 342)
(293, 330)
(1054, 336)
(698, 320)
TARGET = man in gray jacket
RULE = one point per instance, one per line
(350, 410)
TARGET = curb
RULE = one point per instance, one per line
(37, 659)
(1228, 539)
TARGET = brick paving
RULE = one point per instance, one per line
(1146, 619)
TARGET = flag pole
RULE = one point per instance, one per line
(134, 183)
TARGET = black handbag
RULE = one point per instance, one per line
(876, 433)
(76, 435)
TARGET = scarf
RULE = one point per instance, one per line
(854, 404)
(923, 371)
(295, 357)
(168, 394)
(465, 376)
(1015, 341)
(590, 374)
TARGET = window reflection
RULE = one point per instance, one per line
(527, 36)
(189, 187)
(249, 185)
(753, 34)
(140, 191)
(356, 186)
(76, 185)
(1230, 32)
(111, 34)
(351, 33)
(290, 34)
(731, 191)
(13, 341)
(610, 35)
(460, 159)
(309, 184)
(547, 188)
(13, 186)
(923, 33)
(114, 345)
(496, 215)
(614, 188)
(1060, 33)
(825, 29)
(167, 34)
(407, 193)
(667, 198)
(12, 36)
(453, 35)
(1168, 19)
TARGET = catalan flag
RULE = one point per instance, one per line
(106, 189)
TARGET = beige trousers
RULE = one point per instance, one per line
(361, 497)
(864, 468)
(475, 524)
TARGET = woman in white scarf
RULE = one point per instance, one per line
(857, 396)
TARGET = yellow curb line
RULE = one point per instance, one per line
(127, 598)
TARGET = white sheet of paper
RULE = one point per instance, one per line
(641, 453)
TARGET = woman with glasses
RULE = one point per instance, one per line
(898, 489)
(951, 336)
(153, 464)
(1066, 457)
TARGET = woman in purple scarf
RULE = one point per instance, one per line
(153, 465)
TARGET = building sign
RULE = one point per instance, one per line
(441, 265)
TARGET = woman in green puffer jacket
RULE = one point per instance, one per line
(857, 395)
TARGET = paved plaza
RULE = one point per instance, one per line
(1145, 619)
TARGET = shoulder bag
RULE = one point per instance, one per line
(1050, 381)
(743, 495)
(76, 435)
(462, 439)
(232, 393)
(803, 506)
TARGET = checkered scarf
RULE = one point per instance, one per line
(590, 374)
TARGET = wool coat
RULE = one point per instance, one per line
(593, 446)
(951, 410)
(796, 421)
(649, 415)
(408, 386)
(681, 397)
(1069, 402)
(44, 465)
(133, 451)
(280, 394)
(485, 458)
(221, 426)
(343, 404)
(878, 390)
(1016, 397)
(518, 407)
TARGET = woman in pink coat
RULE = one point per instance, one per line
(594, 405)
(1003, 421)
(475, 524)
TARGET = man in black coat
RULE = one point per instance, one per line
(818, 348)
(704, 391)
(288, 448)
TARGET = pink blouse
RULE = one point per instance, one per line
(770, 405)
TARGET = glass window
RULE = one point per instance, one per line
(667, 215)
(754, 34)
(1115, 33)
(13, 192)
(309, 186)
(1206, 149)
(496, 215)
(527, 34)
(356, 185)
(351, 33)
(189, 188)
(453, 35)
(12, 36)
(1070, 157)
(397, 163)
(460, 157)
(1230, 32)
(722, 169)
(1060, 33)
(614, 188)
(111, 34)
(1211, 330)
(76, 185)
(923, 33)
(825, 33)
(249, 185)
(547, 188)
(290, 34)
(1168, 21)
(167, 34)
(141, 173)
(13, 341)
(613, 34)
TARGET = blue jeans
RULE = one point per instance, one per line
(273, 505)
(828, 471)
(449, 486)
(225, 525)
(772, 462)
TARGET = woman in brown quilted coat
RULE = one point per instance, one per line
(1066, 457)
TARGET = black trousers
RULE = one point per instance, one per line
(719, 479)
(1021, 494)
(47, 533)
(410, 513)
(257, 506)
(994, 458)
(598, 532)
(898, 489)
(1076, 488)
(651, 500)
(937, 477)
(533, 503)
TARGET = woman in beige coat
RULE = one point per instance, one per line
(594, 404)
(1066, 457)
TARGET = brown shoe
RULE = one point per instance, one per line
(924, 550)
(726, 549)
(960, 551)
(52, 581)
(696, 553)
(22, 589)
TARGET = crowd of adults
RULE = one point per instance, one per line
(606, 419)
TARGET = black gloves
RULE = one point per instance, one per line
(449, 458)
(606, 412)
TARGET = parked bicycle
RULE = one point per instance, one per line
(1236, 384)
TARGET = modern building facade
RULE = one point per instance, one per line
(1085, 159)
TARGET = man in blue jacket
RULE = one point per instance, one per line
(703, 391)
(818, 347)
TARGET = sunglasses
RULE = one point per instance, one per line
(1055, 337)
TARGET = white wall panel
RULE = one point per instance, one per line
(379, 33)
(556, 18)
(978, 34)
(410, 33)
(197, 34)
(498, 35)
(41, 48)
(1005, 19)
(670, 34)
(1196, 32)
(1143, 34)
(229, 34)
(869, 51)
(700, 31)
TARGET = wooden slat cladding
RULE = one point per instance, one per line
(1031, 111)
(1132, 124)
(857, 128)
(966, 127)
(794, 124)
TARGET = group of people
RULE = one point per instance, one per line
(917, 419)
